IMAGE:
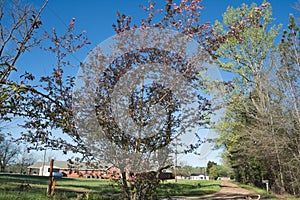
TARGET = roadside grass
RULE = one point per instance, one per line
(23, 187)
(264, 193)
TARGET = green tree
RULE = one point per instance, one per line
(210, 164)
(243, 49)
(287, 99)
(262, 101)
(184, 171)
(217, 171)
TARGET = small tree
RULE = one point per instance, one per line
(131, 139)
(140, 91)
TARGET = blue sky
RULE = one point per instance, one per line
(97, 17)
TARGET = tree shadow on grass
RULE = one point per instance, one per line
(188, 189)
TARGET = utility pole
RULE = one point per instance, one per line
(43, 162)
(175, 168)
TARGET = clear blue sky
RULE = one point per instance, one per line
(97, 17)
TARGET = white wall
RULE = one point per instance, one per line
(200, 177)
(44, 172)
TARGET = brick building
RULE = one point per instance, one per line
(78, 170)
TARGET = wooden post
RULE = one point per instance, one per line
(50, 180)
(53, 187)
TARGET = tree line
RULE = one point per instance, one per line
(260, 128)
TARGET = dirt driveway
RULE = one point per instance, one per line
(228, 191)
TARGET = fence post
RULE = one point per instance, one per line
(50, 180)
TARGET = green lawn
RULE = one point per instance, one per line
(23, 187)
(188, 187)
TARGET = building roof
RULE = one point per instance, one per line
(67, 165)
(197, 174)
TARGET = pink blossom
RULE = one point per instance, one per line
(257, 9)
(265, 4)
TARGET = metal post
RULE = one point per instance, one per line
(267, 184)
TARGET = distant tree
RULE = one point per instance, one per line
(199, 170)
(8, 153)
(210, 164)
(184, 171)
(217, 171)
(24, 159)
(21, 161)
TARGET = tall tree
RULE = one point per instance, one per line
(260, 97)
(287, 99)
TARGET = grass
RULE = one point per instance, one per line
(23, 187)
(188, 187)
(263, 192)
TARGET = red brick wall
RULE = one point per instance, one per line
(111, 173)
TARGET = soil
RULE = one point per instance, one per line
(228, 191)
